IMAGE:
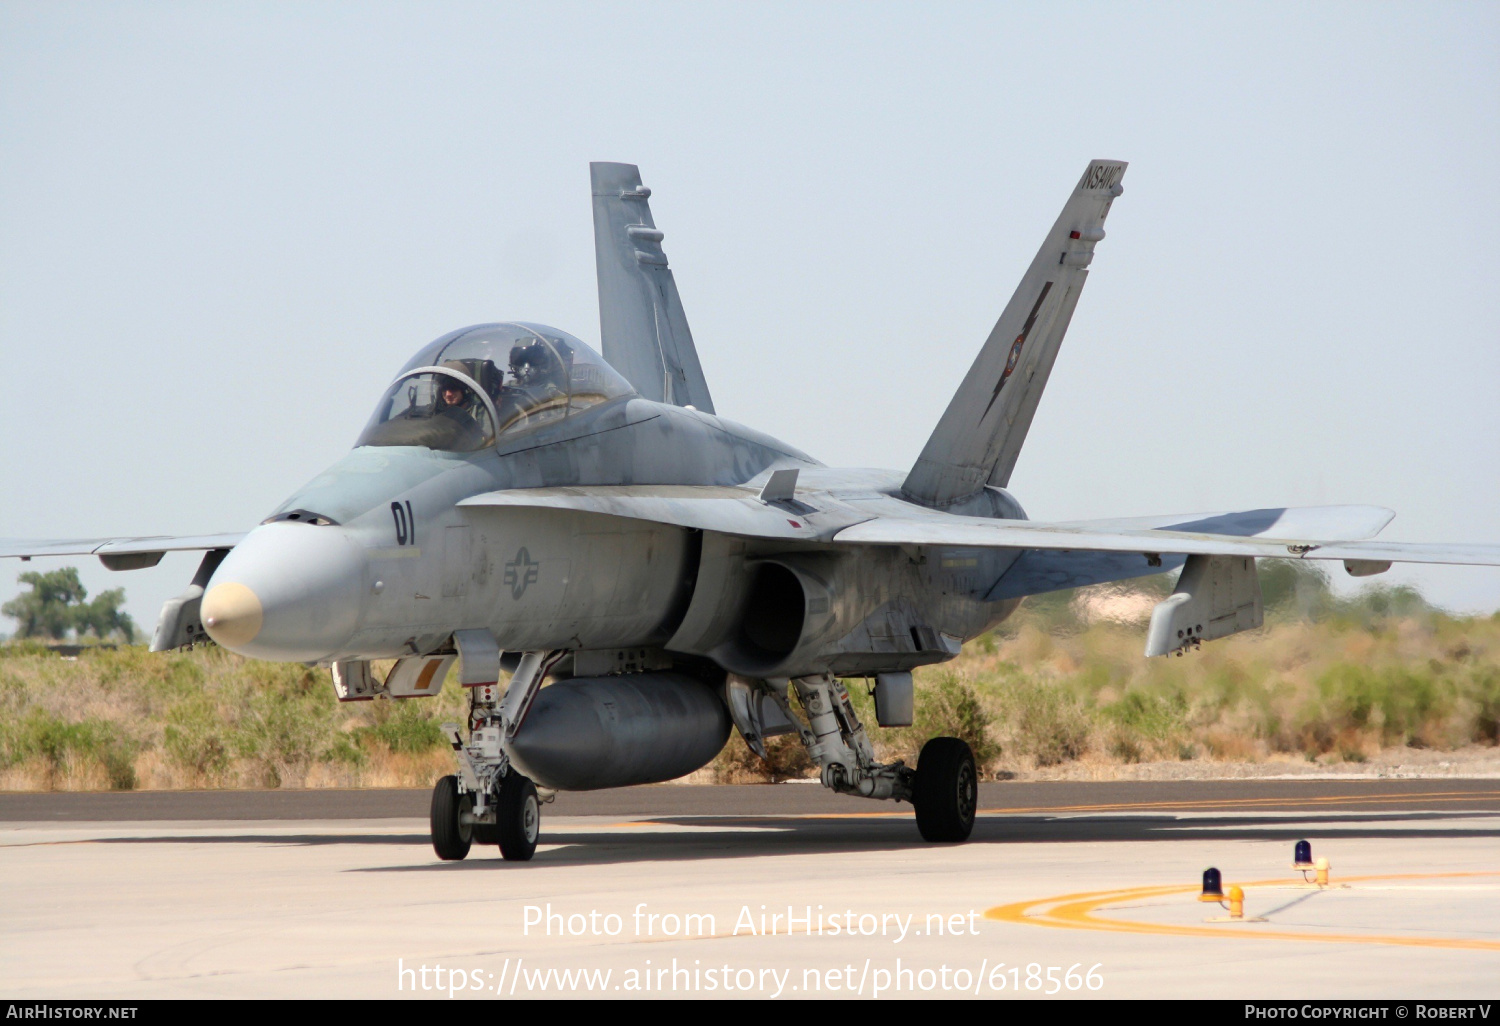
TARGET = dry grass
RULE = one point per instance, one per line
(204, 719)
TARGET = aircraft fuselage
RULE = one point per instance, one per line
(376, 558)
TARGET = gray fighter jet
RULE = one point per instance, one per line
(519, 504)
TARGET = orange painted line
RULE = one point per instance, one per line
(1079, 912)
(1432, 796)
(1207, 803)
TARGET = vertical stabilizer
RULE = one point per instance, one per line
(643, 329)
(977, 441)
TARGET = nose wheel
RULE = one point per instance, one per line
(518, 817)
(945, 793)
(517, 825)
(451, 834)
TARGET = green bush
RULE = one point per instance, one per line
(21, 648)
(1481, 694)
(1147, 723)
(1047, 722)
(1391, 705)
(406, 728)
(950, 707)
(197, 737)
(54, 739)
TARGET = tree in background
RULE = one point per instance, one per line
(104, 616)
(55, 606)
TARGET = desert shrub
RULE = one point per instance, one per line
(1294, 589)
(197, 738)
(1147, 723)
(1375, 603)
(950, 707)
(1046, 722)
(53, 740)
(403, 727)
(1389, 705)
(285, 725)
(786, 759)
(1482, 695)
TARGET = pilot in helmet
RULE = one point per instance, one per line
(529, 364)
(453, 395)
(537, 368)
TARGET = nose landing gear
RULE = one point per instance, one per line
(515, 827)
(518, 817)
(452, 820)
(490, 801)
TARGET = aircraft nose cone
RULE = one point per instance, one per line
(232, 614)
(289, 592)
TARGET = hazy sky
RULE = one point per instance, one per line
(224, 227)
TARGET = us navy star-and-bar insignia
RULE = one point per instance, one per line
(520, 572)
(1015, 347)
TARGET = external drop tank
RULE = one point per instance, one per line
(640, 728)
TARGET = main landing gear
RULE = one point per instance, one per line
(943, 789)
(945, 793)
(489, 801)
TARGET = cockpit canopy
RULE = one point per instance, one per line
(475, 385)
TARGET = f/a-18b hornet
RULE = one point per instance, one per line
(645, 576)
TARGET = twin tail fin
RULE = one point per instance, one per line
(980, 435)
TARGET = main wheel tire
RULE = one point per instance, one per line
(451, 837)
(518, 817)
(945, 793)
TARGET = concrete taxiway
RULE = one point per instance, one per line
(1086, 889)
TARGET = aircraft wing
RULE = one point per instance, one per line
(1043, 570)
(1331, 523)
(118, 553)
(1110, 537)
(740, 510)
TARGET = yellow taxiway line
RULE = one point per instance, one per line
(1080, 912)
(1242, 803)
(1193, 805)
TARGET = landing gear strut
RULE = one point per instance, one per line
(944, 788)
(836, 740)
(490, 801)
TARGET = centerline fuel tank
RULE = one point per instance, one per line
(639, 728)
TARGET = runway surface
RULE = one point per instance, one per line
(758, 800)
(759, 892)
